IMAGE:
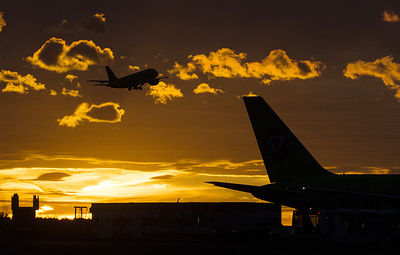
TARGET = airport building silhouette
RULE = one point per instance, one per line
(183, 220)
(165, 220)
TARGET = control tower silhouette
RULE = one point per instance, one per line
(24, 216)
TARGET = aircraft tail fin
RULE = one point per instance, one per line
(285, 157)
(110, 74)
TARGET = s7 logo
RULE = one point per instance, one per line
(275, 143)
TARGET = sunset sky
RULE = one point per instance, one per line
(330, 69)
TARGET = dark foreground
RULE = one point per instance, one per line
(192, 247)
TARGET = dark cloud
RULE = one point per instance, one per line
(96, 24)
(163, 177)
(87, 51)
(304, 68)
(56, 55)
(50, 52)
(52, 177)
(65, 27)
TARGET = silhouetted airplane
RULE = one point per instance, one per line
(133, 81)
(299, 181)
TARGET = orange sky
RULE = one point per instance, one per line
(330, 70)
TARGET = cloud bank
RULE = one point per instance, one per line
(56, 55)
(383, 68)
(162, 93)
(18, 83)
(84, 110)
(226, 63)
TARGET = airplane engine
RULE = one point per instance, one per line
(154, 82)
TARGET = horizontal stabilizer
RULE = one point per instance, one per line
(267, 193)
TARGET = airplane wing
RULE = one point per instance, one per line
(100, 82)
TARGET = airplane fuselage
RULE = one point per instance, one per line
(135, 80)
(336, 191)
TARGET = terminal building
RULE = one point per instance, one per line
(184, 220)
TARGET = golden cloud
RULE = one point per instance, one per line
(72, 93)
(82, 113)
(205, 88)
(20, 89)
(383, 68)
(251, 94)
(2, 21)
(184, 73)
(56, 55)
(226, 63)
(164, 92)
(222, 63)
(390, 16)
(134, 68)
(71, 77)
(278, 66)
(18, 83)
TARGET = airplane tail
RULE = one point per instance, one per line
(110, 74)
(285, 158)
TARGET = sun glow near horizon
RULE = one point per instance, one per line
(60, 189)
